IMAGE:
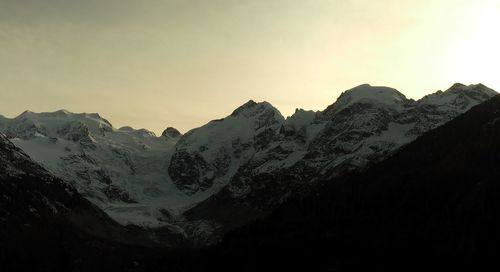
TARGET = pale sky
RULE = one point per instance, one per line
(158, 63)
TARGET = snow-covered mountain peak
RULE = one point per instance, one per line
(252, 109)
(126, 129)
(208, 156)
(458, 85)
(171, 132)
(57, 124)
(366, 93)
(242, 124)
(374, 96)
(478, 89)
(459, 95)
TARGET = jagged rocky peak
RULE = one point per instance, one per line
(171, 132)
(302, 113)
(246, 121)
(301, 118)
(262, 114)
(252, 108)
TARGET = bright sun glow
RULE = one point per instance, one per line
(477, 56)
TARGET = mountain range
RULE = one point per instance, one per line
(245, 164)
(253, 174)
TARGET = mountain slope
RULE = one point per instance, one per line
(432, 204)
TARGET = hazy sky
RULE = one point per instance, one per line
(159, 63)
